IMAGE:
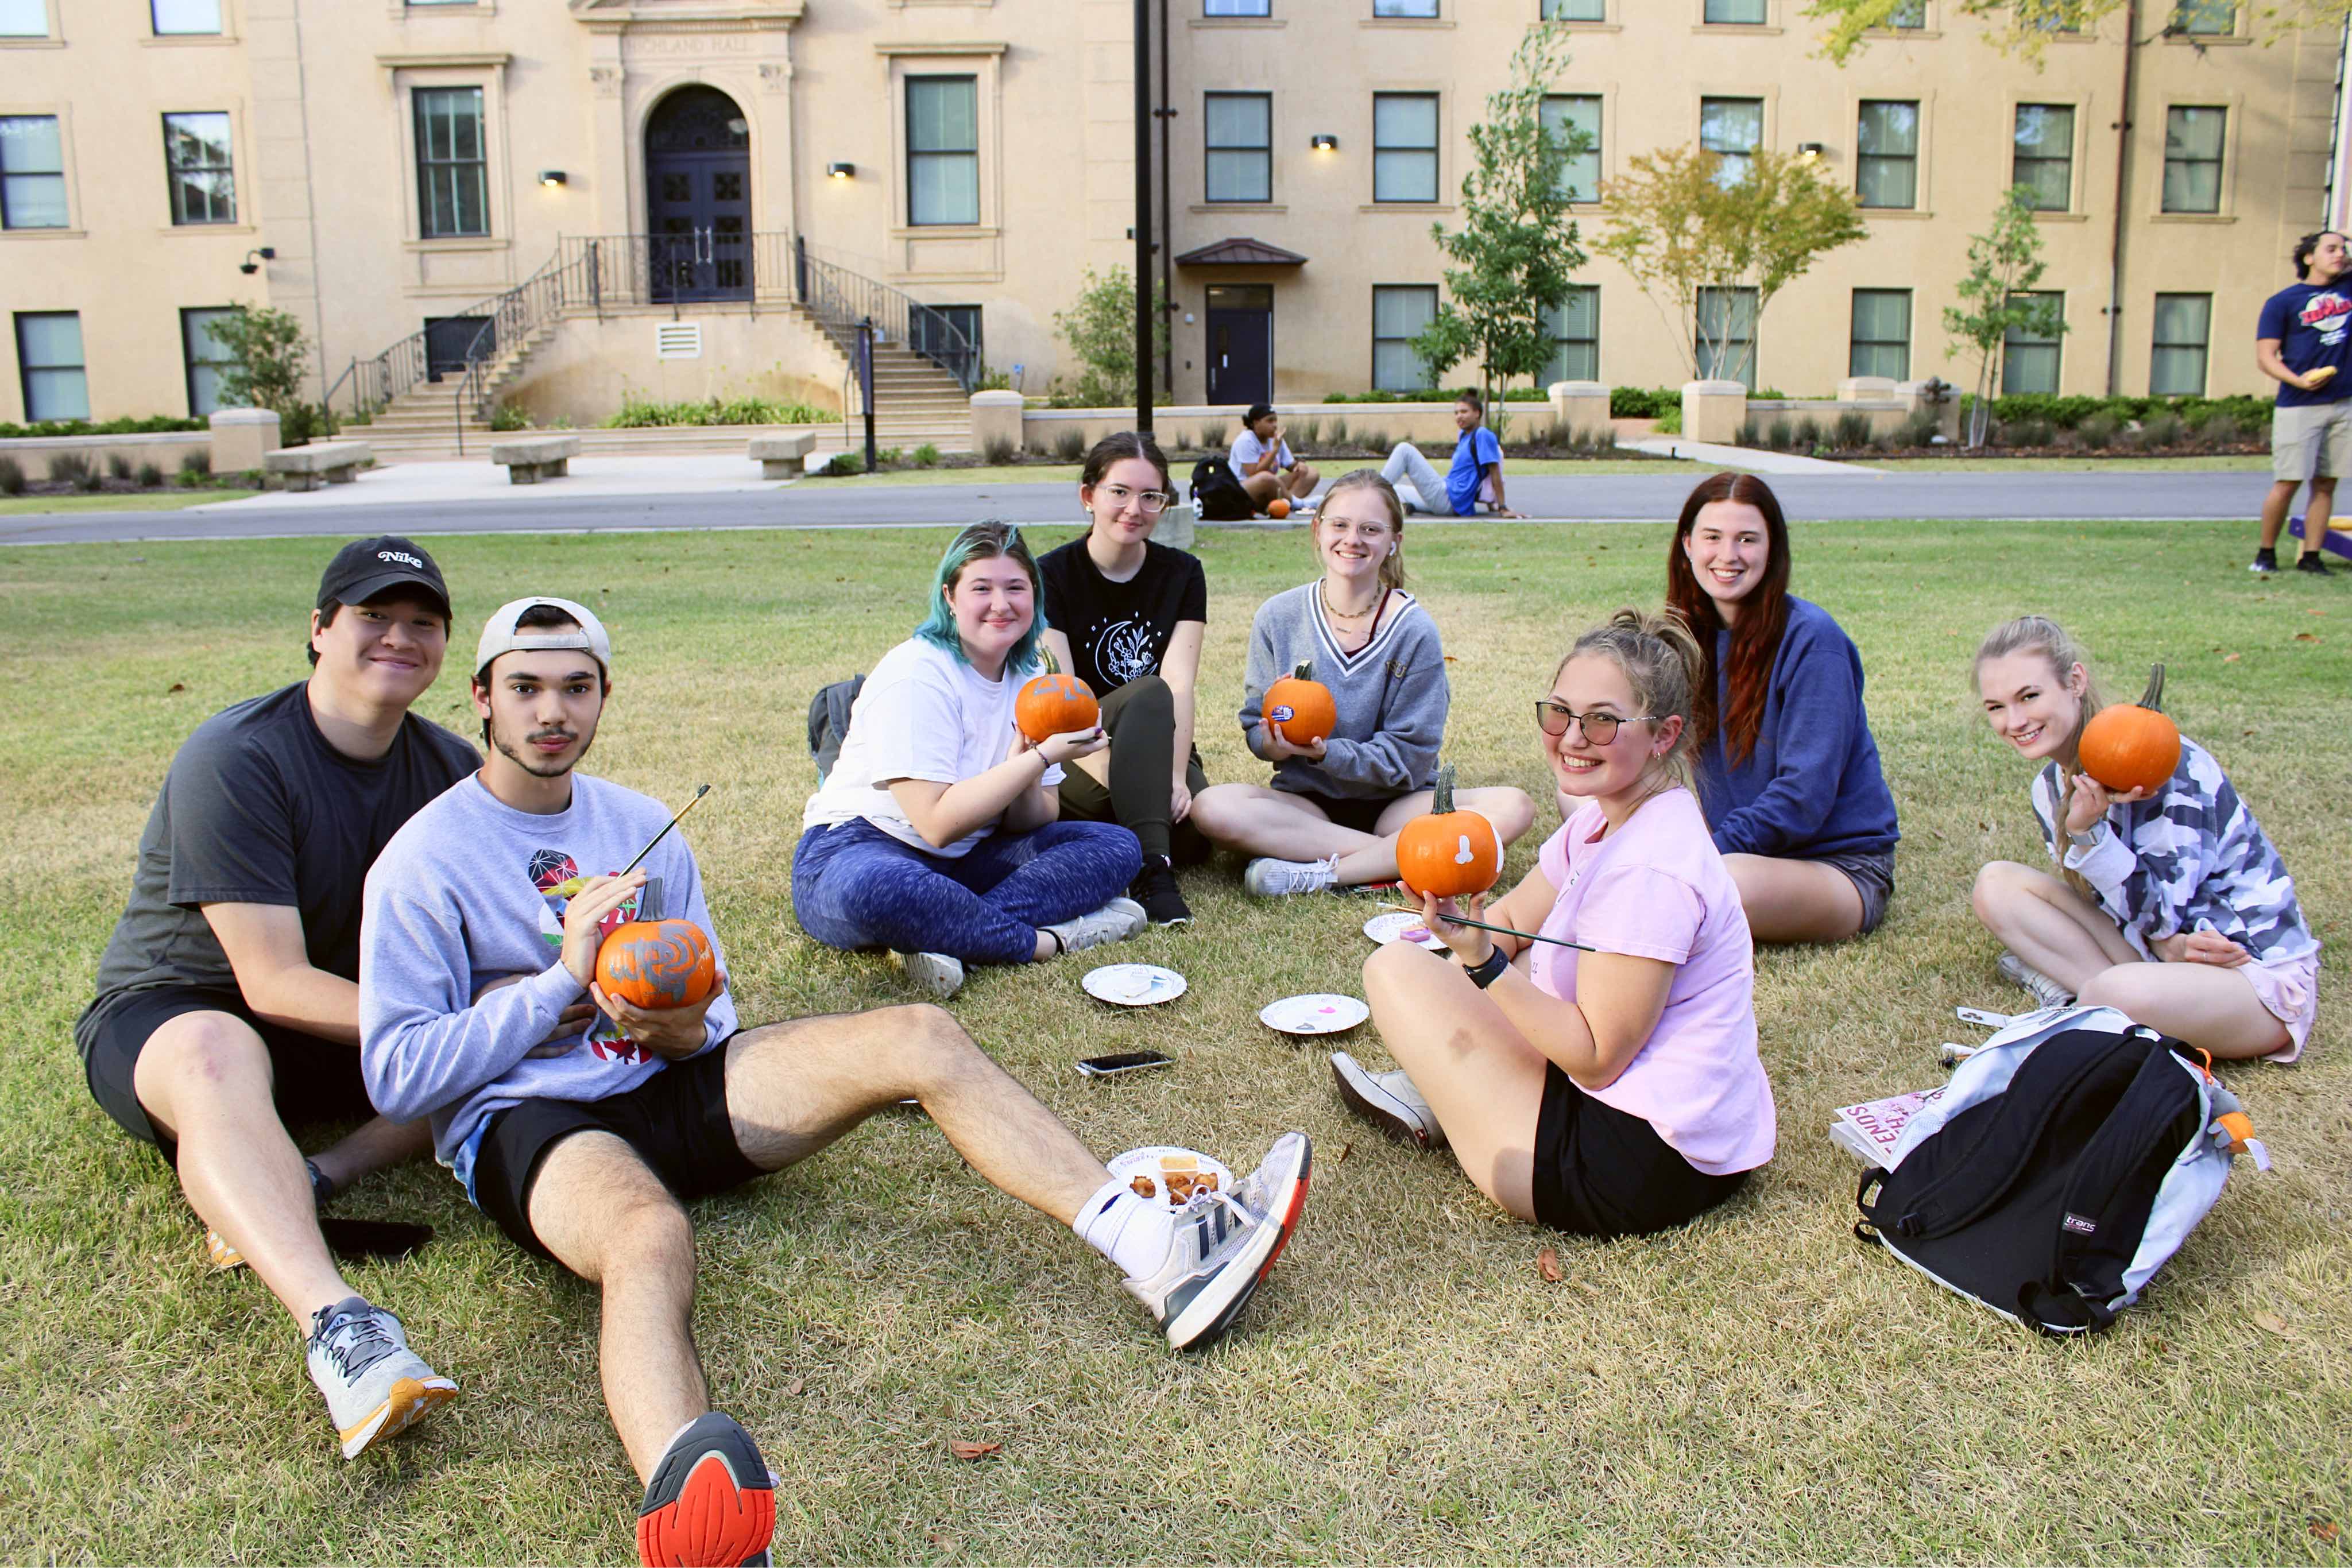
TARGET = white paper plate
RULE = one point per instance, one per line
(1133, 985)
(1316, 1013)
(1149, 1164)
(1398, 926)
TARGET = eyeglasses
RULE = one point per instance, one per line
(1153, 501)
(1599, 728)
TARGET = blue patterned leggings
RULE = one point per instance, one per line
(853, 885)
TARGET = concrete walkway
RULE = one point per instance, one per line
(1743, 458)
(479, 481)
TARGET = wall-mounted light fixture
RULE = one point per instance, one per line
(1323, 143)
(249, 267)
(842, 171)
(1811, 151)
(552, 178)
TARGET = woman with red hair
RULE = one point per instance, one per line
(1788, 774)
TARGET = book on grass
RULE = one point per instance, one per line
(1870, 1131)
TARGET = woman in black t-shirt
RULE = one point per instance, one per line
(1126, 616)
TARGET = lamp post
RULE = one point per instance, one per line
(1143, 333)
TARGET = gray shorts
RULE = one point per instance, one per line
(1872, 872)
(2311, 438)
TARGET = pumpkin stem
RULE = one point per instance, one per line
(2154, 698)
(1306, 670)
(1444, 800)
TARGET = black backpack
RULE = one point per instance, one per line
(2059, 1169)
(1217, 494)
(828, 722)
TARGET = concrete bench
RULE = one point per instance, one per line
(780, 457)
(319, 463)
(528, 459)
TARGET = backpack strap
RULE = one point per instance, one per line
(2112, 1190)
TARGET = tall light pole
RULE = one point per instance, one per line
(1144, 335)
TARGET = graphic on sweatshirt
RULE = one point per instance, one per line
(552, 873)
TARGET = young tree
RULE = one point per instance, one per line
(1518, 245)
(2022, 27)
(1679, 227)
(269, 358)
(1100, 329)
(2003, 261)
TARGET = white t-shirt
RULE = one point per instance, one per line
(1248, 449)
(922, 714)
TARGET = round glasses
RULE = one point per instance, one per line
(1599, 728)
(1152, 502)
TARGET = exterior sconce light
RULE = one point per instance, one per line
(551, 178)
(249, 267)
(1323, 143)
(842, 171)
(1811, 151)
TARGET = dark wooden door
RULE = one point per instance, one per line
(1241, 345)
(698, 197)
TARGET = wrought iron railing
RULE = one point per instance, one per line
(841, 298)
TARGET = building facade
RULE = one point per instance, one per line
(386, 169)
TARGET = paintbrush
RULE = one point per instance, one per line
(571, 888)
(1498, 930)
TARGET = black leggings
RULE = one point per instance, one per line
(1140, 717)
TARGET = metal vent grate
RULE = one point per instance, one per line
(677, 340)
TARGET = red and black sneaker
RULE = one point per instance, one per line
(711, 1503)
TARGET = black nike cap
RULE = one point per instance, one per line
(367, 568)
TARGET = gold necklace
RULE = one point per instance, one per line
(1323, 591)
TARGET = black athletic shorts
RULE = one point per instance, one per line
(676, 1121)
(312, 1079)
(1600, 1171)
(1349, 811)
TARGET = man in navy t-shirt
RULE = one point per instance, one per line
(1475, 477)
(2301, 343)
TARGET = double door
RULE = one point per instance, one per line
(698, 212)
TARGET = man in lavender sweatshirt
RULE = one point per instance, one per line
(584, 1144)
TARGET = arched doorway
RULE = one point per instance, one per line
(698, 196)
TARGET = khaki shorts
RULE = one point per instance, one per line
(2311, 438)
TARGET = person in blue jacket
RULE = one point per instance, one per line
(1788, 774)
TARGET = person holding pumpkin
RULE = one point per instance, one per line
(1346, 693)
(1786, 770)
(936, 834)
(583, 1146)
(2171, 904)
(1126, 615)
(1610, 1088)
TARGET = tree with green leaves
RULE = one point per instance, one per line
(2003, 262)
(268, 357)
(1099, 327)
(1680, 228)
(1518, 245)
(2023, 27)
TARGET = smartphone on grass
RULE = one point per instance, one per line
(1123, 1062)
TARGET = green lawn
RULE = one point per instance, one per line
(168, 501)
(1067, 473)
(1408, 1387)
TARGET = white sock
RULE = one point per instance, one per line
(1125, 1227)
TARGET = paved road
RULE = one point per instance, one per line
(1623, 497)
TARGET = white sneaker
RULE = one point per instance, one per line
(375, 1385)
(2043, 989)
(1269, 878)
(938, 973)
(1114, 922)
(1222, 1244)
(1389, 1100)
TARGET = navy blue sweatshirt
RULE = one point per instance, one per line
(1811, 787)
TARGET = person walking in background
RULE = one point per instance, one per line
(1474, 478)
(2299, 343)
(1262, 460)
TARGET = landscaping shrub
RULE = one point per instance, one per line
(70, 468)
(1920, 430)
(1781, 434)
(1070, 445)
(154, 424)
(118, 465)
(1308, 433)
(644, 414)
(1437, 395)
(11, 476)
(1809, 433)
(1853, 431)
(887, 458)
(1377, 440)
(2069, 411)
(2024, 432)
(2098, 431)
(927, 456)
(151, 475)
(1340, 432)
(1001, 450)
(845, 464)
(2161, 430)
(196, 465)
(507, 417)
(1670, 419)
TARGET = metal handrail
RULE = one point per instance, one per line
(840, 298)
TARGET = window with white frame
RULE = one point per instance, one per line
(1573, 10)
(2029, 359)
(2176, 365)
(1404, 147)
(2205, 19)
(183, 18)
(1238, 128)
(453, 169)
(942, 149)
(50, 365)
(1886, 156)
(204, 358)
(1731, 128)
(32, 172)
(1569, 113)
(1907, 16)
(1726, 335)
(1575, 329)
(1882, 334)
(1235, 8)
(2192, 158)
(198, 163)
(1736, 13)
(1412, 8)
(24, 19)
(1399, 314)
(2044, 159)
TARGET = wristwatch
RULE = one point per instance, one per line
(1489, 970)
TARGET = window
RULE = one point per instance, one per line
(1574, 10)
(197, 156)
(32, 172)
(1726, 335)
(943, 149)
(1908, 15)
(1240, 129)
(1234, 7)
(1405, 7)
(24, 19)
(2044, 162)
(1575, 330)
(48, 356)
(2192, 159)
(1736, 13)
(175, 18)
(2205, 19)
(1404, 147)
(1564, 113)
(1886, 166)
(452, 166)
(2176, 366)
(204, 358)
(1882, 334)
(1399, 315)
(1732, 128)
(2029, 361)
(948, 333)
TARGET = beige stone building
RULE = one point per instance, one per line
(683, 198)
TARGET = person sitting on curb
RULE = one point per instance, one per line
(1261, 459)
(1475, 479)
(481, 931)
(228, 1014)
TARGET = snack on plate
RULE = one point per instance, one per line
(1142, 1186)
(1168, 1175)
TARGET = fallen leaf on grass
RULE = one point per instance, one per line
(962, 1450)
(2324, 1529)
(797, 1388)
(2229, 658)
(1548, 1265)
(175, 687)
(2275, 1323)
(2307, 636)
(1341, 1157)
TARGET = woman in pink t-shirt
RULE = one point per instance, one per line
(1610, 1092)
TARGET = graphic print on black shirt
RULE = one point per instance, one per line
(1119, 632)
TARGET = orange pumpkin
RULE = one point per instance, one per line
(1278, 507)
(657, 964)
(1055, 705)
(1299, 709)
(1450, 853)
(2132, 745)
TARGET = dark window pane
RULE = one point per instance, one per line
(943, 149)
(49, 357)
(1404, 147)
(2183, 327)
(2044, 163)
(1886, 169)
(204, 183)
(32, 172)
(1399, 315)
(1882, 334)
(1238, 127)
(2029, 362)
(1736, 12)
(452, 175)
(2192, 159)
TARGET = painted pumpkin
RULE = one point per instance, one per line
(1450, 853)
(657, 964)
(2132, 745)
(1299, 709)
(1055, 705)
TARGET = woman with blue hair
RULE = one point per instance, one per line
(937, 833)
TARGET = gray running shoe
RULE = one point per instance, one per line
(1270, 878)
(1222, 1244)
(938, 973)
(1388, 1100)
(1114, 922)
(375, 1385)
(2044, 990)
